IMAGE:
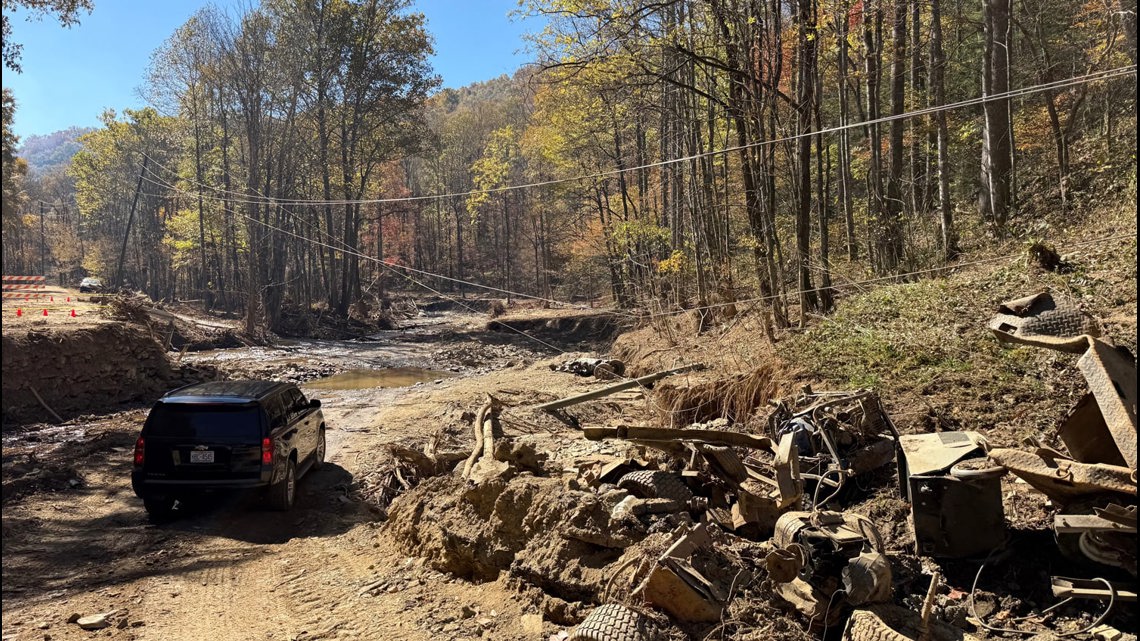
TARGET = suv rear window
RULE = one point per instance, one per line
(203, 421)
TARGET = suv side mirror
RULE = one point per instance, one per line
(314, 402)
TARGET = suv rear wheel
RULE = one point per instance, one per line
(282, 493)
(319, 454)
(159, 508)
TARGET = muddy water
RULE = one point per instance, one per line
(370, 378)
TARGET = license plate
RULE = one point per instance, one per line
(198, 456)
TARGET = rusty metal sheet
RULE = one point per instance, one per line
(668, 591)
(1112, 378)
(922, 454)
(1086, 435)
(672, 593)
(1063, 479)
(1041, 321)
(1070, 523)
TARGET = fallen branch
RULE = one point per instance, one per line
(45, 405)
(484, 429)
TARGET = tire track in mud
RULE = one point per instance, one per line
(225, 595)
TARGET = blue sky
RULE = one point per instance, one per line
(71, 75)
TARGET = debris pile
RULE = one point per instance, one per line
(1095, 483)
(675, 527)
(604, 369)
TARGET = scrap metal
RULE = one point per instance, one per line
(937, 475)
(1098, 475)
(821, 555)
(838, 434)
(681, 589)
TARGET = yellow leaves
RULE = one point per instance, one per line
(645, 234)
(182, 235)
(492, 169)
(677, 263)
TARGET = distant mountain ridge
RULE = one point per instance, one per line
(44, 153)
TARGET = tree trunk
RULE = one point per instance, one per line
(997, 163)
(872, 60)
(890, 231)
(1128, 17)
(845, 135)
(938, 85)
(805, 97)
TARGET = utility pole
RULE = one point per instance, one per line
(43, 244)
(130, 219)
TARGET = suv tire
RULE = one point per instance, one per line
(319, 453)
(282, 493)
(159, 509)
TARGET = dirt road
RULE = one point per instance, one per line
(77, 542)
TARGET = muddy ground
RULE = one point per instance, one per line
(524, 554)
(76, 539)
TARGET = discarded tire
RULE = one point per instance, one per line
(612, 622)
(865, 626)
(654, 484)
(609, 370)
(978, 469)
(892, 623)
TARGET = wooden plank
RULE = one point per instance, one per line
(617, 387)
(675, 434)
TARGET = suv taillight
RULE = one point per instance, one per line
(266, 451)
(140, 452)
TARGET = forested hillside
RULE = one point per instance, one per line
(679, 154)
(45, 153)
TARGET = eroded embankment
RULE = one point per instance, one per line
(84, 370)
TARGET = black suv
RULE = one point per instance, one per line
(227, 435)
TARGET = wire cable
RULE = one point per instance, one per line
(1096, 76)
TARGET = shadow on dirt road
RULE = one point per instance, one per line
(242, 516)
(85, 539)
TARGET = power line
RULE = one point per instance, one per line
(348, 249)
(857, 283)
(1014, 93)
(381, 263)
(266, 200)
(1077, 80)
